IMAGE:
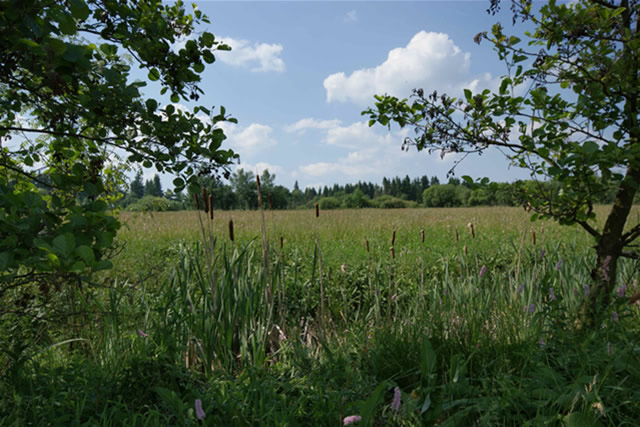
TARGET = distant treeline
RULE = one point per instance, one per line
(242, 193)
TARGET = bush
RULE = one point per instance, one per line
(154, 204)
(329, 203)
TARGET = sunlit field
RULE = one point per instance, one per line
(459, 316)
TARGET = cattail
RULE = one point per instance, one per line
(281, 242)
(473, 232)
(317, 210)
(393, 238)
(195, 197)
(533, 237)
(457, 237)
(231, 230)
(205, 200)
(259, 191)
(422, 235)
(366, 241)
(464, 249)
(211, 207)
(393, 253)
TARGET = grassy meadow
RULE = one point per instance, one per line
(461, 316)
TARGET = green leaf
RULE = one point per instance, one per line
(468, 95)
(64, 244)
(178, 182)
(154, 74)
(590, 147)
(175, 98)
(5, 260)
(207, 39)
(79, 9)
(86, 254)
(66, 24)
(198, 67)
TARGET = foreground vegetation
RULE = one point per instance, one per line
(313, 320)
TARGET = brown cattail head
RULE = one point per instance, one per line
(457, 237)
(473, 232)
(464, 249)
(422, 235)
(211, 206)
(205, 200)
(393, 238)
(231, 230)
(317, 210)
(367, 243)
(533, 237)
(281, 242)
(393, 253)
(259, 191)
(195, 197)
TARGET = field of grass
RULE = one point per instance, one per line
(459, 316)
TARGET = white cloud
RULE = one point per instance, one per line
(303, 124)
(260, 167)
(259, 57)
(429, 61)
(351, 16)
(248, 140)
(371, 154)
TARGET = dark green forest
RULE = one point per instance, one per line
(240, 192)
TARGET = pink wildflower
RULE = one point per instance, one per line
(141, 333)
(541, 343)
(559, 265)
(621, 290)
(551, 294)
(397, 396)
(199, 412)
(351, 419)
(614, 316)
(483, 270)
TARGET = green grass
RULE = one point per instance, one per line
(463, 347)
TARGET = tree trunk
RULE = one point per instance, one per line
(608, 250)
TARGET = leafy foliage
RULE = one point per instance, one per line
(70, 107)
(567, 110)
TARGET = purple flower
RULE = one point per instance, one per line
(608, 348)
(199, 411)
(586, 289)
(614, 316)
(141, 333)
(532, 308)
(541, 343)
(621, 290)
(551, 294)
(521, 288)
(397, 396)
(394, 296)
(483, 270)
(605, 267)
(351, 419)
(542, 252)
(559, 265)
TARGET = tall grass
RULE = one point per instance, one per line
(309, 320)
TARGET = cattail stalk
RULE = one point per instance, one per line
(422, 235)
(211, 207)
(205, 200)
(393, 238)
(473, 232)
(231, 230)
(457, 236)
(317, 210)
(533, 237)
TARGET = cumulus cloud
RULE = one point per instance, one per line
(429, 61)
(259, 57)
(371, 154)
(248, 140)
(351, 16)
(260, 167)
(308, 123)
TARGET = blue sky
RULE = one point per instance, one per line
(301, 72)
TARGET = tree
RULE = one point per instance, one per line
(567, 110)
(137, 186)
(69, 100)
